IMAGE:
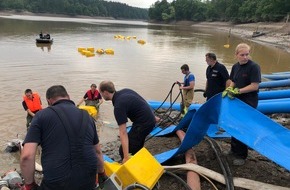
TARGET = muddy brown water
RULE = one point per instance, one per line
(149, 69)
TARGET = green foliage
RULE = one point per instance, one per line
(237, 11)
(77, 7)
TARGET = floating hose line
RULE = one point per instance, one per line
(178, 178)
(223, 163)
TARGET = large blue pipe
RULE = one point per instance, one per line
(276, 76)
(274, 94)
(264, 106)
(275, 84)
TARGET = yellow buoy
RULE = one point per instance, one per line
(84, 52)
(100, 51)
(91, 49)
(141, 42)
(80, 49)
(109, 51)
(227, 45)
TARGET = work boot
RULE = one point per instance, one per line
(239, 162)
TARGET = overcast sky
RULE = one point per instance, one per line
(138, 3)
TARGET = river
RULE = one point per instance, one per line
(149, 69)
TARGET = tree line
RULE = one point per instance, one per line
(77, 7)
(236, 11)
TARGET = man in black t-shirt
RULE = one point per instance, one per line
(217, 76)
(129, 104)
(71, 153)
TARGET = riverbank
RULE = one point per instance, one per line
(275, 34)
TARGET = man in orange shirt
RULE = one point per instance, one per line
(32, 104)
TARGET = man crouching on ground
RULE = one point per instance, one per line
(129, 104)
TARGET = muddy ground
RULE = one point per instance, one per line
(257, 167)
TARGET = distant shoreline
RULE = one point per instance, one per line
(277, 34)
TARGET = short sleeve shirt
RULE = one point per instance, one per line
(244, 75)
(217, 77)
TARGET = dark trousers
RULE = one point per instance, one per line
(136, 136)
(239, 148)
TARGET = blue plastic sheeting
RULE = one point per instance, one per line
(256, 130)
(184, 123)
(274, 94)
(274, 84)
(276, 77)
(243, 122)
(108, 159)
(206, 115)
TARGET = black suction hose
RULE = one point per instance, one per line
(223, 164)
(178, 178)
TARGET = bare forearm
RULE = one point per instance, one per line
(100, 163)
(27, 166)
(250, 88)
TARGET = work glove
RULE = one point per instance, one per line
(226, 91)
(102, 177)
(177, 82)
(231, 92)
(32, 186)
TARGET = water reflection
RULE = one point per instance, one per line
(44, 46)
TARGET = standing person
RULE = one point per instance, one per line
(245, 78)
(187, 88)
(31, 104)
(129, 104)
(217, 76)
(92, 97)
(71, 153)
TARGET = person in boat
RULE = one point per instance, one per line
(217, 76)
(187, 88)
(41, 35)
(129, 104)
(245, 78)
(92, 97)
(71, 152)
(31, 104)
(47, 36)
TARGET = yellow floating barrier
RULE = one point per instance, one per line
(141, 42)
(92, 110)
(80, 49)
(100, 51)
(134, 37)
(128, 37)
(84, 52)
(91, 49)
(109, 51)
